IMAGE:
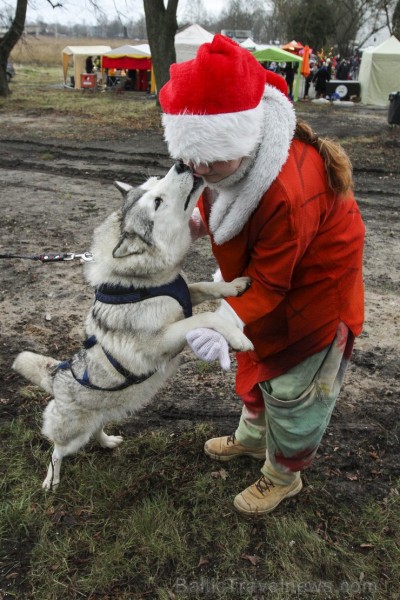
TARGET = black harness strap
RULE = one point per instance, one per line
(130, 379)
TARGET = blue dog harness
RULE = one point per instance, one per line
(177, 289)
(111, 294)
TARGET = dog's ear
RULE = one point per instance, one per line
(124, 188)
(128, 245)
(150, 183)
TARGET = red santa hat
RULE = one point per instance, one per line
(213, 108)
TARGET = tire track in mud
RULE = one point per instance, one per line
(92, 162)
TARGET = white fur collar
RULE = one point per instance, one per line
(233, 206)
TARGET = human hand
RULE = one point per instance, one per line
(196, 225)
(209, 345)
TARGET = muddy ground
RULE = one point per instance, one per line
(54, 190)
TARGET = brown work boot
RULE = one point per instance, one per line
(227, 447)
(264, 496)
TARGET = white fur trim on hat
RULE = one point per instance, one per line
(233, 207)
(208, 138)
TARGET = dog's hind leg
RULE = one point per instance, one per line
(107, 441)
(53, 473)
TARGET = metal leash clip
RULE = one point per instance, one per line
(84, 257)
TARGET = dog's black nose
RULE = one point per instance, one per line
(180, 167)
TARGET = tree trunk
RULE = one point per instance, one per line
(161, 27)
(396, 21)
(8, 42)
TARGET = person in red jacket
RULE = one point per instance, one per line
(279, 209)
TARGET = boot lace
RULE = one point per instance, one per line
(231, 439)
(264, 484)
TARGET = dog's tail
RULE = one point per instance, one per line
(36, 368)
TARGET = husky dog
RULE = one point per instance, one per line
(137, 324)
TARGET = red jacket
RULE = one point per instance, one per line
(302, 248)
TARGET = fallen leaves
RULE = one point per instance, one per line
(252, 558)
(221, 474)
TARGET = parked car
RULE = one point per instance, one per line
(10, 71)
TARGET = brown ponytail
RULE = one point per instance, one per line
(337, 163)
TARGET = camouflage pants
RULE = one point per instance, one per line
(289, 414)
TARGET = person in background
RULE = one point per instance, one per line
(329, 68)
(290, 71)
(309, 78)
(343, 70)
(279, 209)
(131, 80)
(111, 77)
(320, 80)
(89, 65)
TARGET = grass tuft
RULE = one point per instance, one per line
(154, 519)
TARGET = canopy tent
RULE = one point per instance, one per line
(249, 45)
(79, 55)
(130, 57)
(126, 57)
(276, 54)
(380, 72)
(292, 46)
(143, 48)
(187, 42)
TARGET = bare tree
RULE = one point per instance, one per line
(338, 25)
(375, 15)
(8, 42)
(194, 12)
(313, 23)
(161, 23)
(396, 21)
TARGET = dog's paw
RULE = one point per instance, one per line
(238, 286)
(49, 485)
(240, 342)
(111, 441)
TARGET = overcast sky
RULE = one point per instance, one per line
(80, 11)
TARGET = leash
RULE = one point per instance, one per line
(45, 258)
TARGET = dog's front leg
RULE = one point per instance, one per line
(213, 290)
(107, 441)
(174, 337)
(53, 472)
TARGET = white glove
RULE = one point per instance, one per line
(209, 345)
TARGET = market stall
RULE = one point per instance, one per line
(135, 62)
(278, 55)
(79, 55)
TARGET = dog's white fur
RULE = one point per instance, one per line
(143, 244)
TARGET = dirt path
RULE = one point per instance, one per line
(55, 191)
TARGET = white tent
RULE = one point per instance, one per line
(79, 55)
(188, 41)
(249, 45)
(380, 72)
(143, 48)
(128, 50)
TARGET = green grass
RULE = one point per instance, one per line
(37, 90)
(154, 520)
